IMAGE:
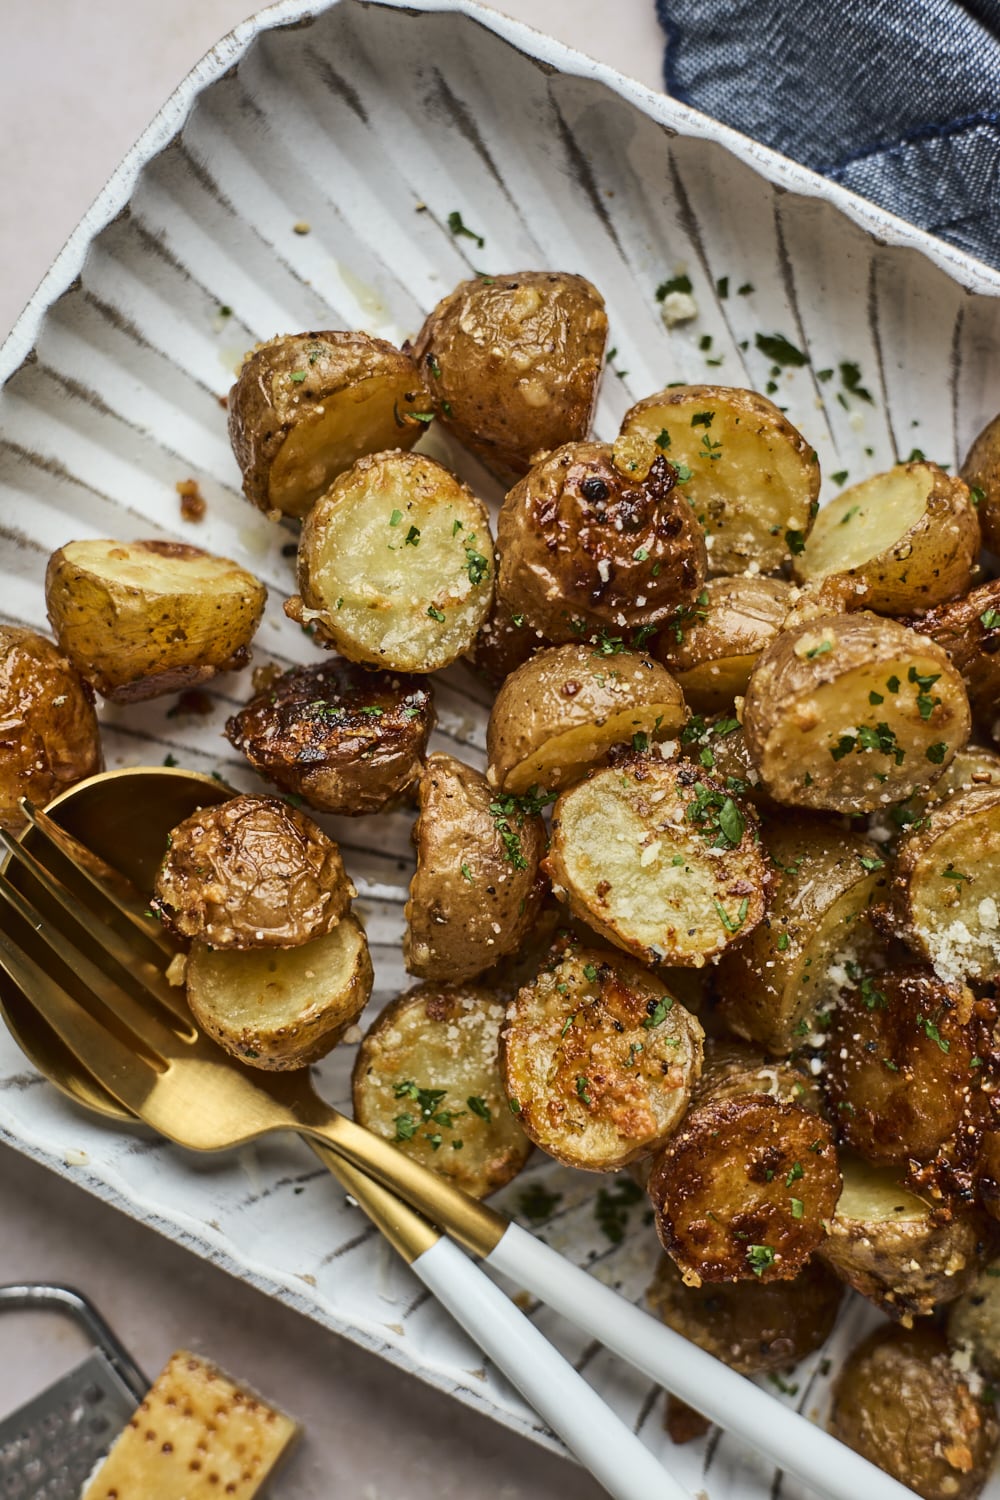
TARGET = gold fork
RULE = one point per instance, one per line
(133, 1035)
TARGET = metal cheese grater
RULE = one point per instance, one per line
(49, 1446)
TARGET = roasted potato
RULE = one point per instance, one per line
(306, 406)
(750, 476)
(974, 1321)
(946, 890)
(895, 1249)
(972, 766)
(476, 890)
(140, 619)
(504, 643)
(251, 873)
(744, 1188)
(853, 712)
(427, 1077)
(969, 630)
(988, 1173)
(395, 564)
(981, 472)
(513, 363)
(598, 1059)
(904, 540)
(902, 1403)
(281, 1008)
(719, 745)
(712, 645)
(659, 860)
(585, 547)
(345, 739)
(557, 717)
(49, 738)
(734, 1068)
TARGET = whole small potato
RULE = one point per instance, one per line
(513, 363)
(981, 472)
(49, 738)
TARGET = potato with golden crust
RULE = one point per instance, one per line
(894, 1248)
(974, 1321)
(49, 737)
(981, 472)
(712, 646)
(752, 479)
(659, 859)
(476, 890)
(902, 1403)
(556, 717)
(968, 629)
(427, 1077)
(306, 406)
(598, 1059)
(395, 564)
(281, 1008)
(344, 738)
(904, 540)
(853, 712)
(251, 873)
(140, 619)
(586, 547)
(513, 363)
(744, 1188)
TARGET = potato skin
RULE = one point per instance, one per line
(287, 385)
(585, 547)
(599, 1059)
(974, 1321)
(713, 645)
(901, 1403)
(513, 363)
(434, 1035)
(345, 739)
(557, 716)
(504, 643)
(981, 472)
(50, 738)
(476, 889)
(960, 628)
(251, 873)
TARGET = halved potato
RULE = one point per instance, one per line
(981, 472)
(905, 540)
(969, 630)
(284, 1008)
(306, 406)
(750, 476)
(853, 712)
(973, 766)
(427, 1077)
(140, 619)
(598, 1059)
(974, 1320)
(558, 715)
(658, 860)
(713, 644)
(396, 564)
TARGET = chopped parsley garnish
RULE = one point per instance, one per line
(702, 419)
(412, 538)
(727, 921)
(467, 874)
(795, 541)
(612, 1205)
(663, 441)
(590, 972)
(916, 456)
(840, 477)
(850, 377)
(395, 518)
(537, 1202)
(798, 1208)
(990, 618)
(582, 1088)
(457, 228)
(820, 650)
(875, 698)
(760, 1257)
(683, 472)
(658, 1011)
(936, 753)
(641, 554)
(298, 376)
(434, 366)
(952, 874)
(795, 1174)
(932, 1033)
(871, 862)
(480, 1107)
(925, 703)
(722, 288)
(675, 284)
(435, 614)
(783, 941)
(406, 1127)
(745, 290)
(881, 738)
(711, 450)
(976, 494)
(717, 816)
(779, 349)
(872, 998)
(478, 565)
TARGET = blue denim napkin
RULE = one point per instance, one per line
(897, 99)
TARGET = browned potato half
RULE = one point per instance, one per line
(49, 739)
(751, 1326)
(988, 1173)
(586, 547)
(894, 1248)
(306, 406)
(558, 716)
(659, 860)
(504, 643)
(281, 1008)
(794, 965)
(969, 630)
(476, 890)
(981, 472)
(513, 363)
(427, 1077)
(251, 873)
(752, 479)
(733, 1068)
(853, 712)
(345, 739)
(899, 1064)
(946, 890)
(744, 1188)
(598, 1059)
(140, 619)
(905, 540)
(901, 1402)
(973, 766)
(713, 644)
(974, 1321)
(396, 564)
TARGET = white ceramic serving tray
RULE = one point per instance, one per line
(372, 122)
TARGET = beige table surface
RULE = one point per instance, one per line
(78, 82)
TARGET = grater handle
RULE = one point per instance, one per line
(37, 1295)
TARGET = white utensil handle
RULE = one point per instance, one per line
(735, 1403)
(601, 1441)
